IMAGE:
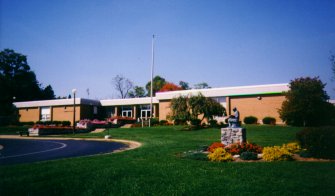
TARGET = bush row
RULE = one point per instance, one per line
(253, 120)
(57, 123)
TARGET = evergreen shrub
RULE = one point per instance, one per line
(248, 156)
(250, 120)
(318, 141)
(269, 120)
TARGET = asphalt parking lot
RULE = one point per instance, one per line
(17, 151)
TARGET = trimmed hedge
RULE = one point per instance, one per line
(269, 120)
(318, 141)
(55, 122)
(250, 120)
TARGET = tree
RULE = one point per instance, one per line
(184, 85)
(187, 109)
(17, 80)
(180, 109)
(202, 85)
(122, 85)
(137, 91)
(169, 86)
(158, 83)
(213, 108)
(197, 105)
(48, 93)
(306, 103)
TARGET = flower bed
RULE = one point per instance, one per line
(246, 152)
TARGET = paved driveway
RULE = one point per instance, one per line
(16, 151)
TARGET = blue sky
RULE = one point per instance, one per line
(84, 43)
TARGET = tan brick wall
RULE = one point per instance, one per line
(164, 109)
(65, 113)
(29, 114)
(252, 106)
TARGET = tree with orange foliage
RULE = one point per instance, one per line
(169, 86)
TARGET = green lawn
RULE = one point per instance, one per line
(157, 169)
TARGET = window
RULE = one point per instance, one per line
(145, 113)
(45, 113)
(127, 113)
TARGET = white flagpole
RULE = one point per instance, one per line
(152, 75)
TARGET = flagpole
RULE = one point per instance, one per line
(152, 75)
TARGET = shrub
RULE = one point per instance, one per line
(269, 120)
(195, 122)
(214, 146)
(276, 153)
(180, 122)
(250, 120)
(154, 121)
(163, 122)
(318, 141)
(238, 148)
(213, 123)
(220, 155)
(248, 156)
(56, 122)
(66, 123)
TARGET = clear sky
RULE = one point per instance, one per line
(85, 43)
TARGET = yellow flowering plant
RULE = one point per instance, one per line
(276, 153)
(220, 155)
(292, 147)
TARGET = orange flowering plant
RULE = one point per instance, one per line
(238, 148)
(214, 146)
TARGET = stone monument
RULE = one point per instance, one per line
(232, 135)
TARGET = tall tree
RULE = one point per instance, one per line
(18, 81)
(122, 85)
(137, 91)
(184, 85)
(169, 86)
(306, 103)
(48, 93)
(202, 85)
(158, 83)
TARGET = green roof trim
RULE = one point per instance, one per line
(255, 94)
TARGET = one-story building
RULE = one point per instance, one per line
(258, 100)
(58, 110)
